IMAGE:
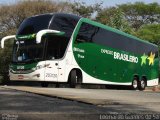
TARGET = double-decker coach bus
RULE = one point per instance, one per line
(66, 48)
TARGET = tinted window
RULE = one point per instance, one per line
(34, 24)
(65, 23)
(56, 46)
(27, 51)
(97, 35)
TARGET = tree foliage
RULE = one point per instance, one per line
(140, 13)
(150, 32)
(5, 60)
(81, 9)
(115, 18)
(11, 16)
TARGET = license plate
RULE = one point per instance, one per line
(20, 76)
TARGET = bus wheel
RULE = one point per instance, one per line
(135, 83)
(57, 85)
(44, 84)
(73, 79)
(142, 84)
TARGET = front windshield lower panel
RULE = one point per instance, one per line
(27, 51)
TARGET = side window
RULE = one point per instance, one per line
(64, 23)
(101, 36)
(86, 33)
(56, 47)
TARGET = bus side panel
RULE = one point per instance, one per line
(108, 65)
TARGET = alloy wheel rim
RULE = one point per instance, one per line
(142, 84)
(135, 84)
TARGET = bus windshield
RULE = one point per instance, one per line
(27, 51)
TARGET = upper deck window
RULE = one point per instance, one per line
(64, 23)
(104, 37)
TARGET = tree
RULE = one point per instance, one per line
(11, 16)
(5, 59)
(81, 9)
(140, 13)
(115, 18)
(150, 32)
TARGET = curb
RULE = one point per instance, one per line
(154, 88)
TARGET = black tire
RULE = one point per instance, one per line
(73, 79)
(57, 85)
(135, 83)
(142, 84)
(44, 84)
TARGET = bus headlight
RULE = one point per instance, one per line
(33, 69)
(37, 67)
(40, 66)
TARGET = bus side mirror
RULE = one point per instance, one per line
(47, 31)
(6, 38)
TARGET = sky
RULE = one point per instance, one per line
(106, 3)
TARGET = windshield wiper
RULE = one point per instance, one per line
(17, 46)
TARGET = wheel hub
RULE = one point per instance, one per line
(135, 84)
(142, 84)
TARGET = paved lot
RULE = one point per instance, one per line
(27, 105)
(30, 106)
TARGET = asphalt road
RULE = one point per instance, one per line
(30, 106)
(18, 105)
